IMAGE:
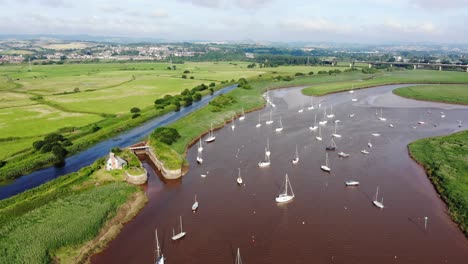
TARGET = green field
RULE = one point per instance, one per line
(455, 94)
(396, 77)
(446, 161)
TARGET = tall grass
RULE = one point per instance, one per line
(70, 221)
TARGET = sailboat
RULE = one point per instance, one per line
(239, 178)
(331, 115)
(351, 115)
(376, 202)
(180, 235)
(343, 155)
(325, 167)
(195, 204)
(324, 121)
(375, 134)
(319, 137)
(200, 146)
(369, 144)
(233, 125)
(242, 117)
(336, 134)
(211, 136)
(280, 128)
(354, 100)
(381, 118)
(266, 162)
(238, 257)
(332, 145)
(311, 107)
(159, 256)
(351, 183)
(315, 123)
(269, 122)
(199, 157)
(258, 124)
(267, 150)
(364, 151)
(301, 109)
(391, 125)
(296, 158)
(285, 196)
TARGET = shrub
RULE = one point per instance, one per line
(135, 110)
(212, 84)
(191, 77)
(184, 76)
(197, 97)
(311, 73)
(299, 74)
(186, 71)
(135, 115)
(2, 163)
(37, 145)
(167, 135)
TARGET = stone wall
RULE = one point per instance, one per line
(166, 173)
(136, 179)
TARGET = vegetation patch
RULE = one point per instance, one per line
(455, 94)
(446, 162)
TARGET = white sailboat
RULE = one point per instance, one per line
(266, 162)
(280, 128)
(200, 146)
(267, 150)
(242, 117)
(364, 151)
(211, 137)
(285, 196)
(239, 178)
(381, 118)
(296, 157)
(315, 123)
(233, 125)
(319, 137)
(354, 100)
(326, 166)
(369, 144)
(336, 134)
(376, 202)
(181, 234)
(159, 256)
(331, 115)
(238, 257)
(199, 157)
(195, 204)
(311, 106)
(324, 121)
(259, 124)
(301, 109)
(351, 183)
(375, 134)
(343, 155)
(391, 125)
(351, 115)
(269, 122)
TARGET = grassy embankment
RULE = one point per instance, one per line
(394, 77)
(453, 94)
(446, 162)
(69, 218)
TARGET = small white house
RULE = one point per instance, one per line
(115, 162)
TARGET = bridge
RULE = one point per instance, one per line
(415, 65)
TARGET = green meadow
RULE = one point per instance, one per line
(455, 94)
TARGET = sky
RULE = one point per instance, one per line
(348, 21)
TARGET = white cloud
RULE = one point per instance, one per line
(160, 13)
(406, 28)
(439, 4)
(243, 4)
(314, 25)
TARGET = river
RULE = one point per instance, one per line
(326, 222)
(88, 156)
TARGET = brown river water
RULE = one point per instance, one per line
(326, 222)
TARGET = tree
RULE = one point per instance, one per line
(184, 76)
(174, 67)
(311, 73)
(76, 90)
(59, 152)
(37, 145)
(191, 77)
(186, 71)
(2, 163)
(135, 115)
(185, 92)
(211, 91)
(166, 135)
(197, 97)
(169, 68)
(135, 110)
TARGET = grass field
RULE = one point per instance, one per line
(409, 76)
(445, 160)
(455, 94)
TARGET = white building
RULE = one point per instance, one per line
(115, 162)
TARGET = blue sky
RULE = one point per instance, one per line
(365, 21)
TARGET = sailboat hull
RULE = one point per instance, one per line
(325, 168)
(210, 139)
(313, 128)
(279, 129)
(263, 164)
(283, 198)
(378, 204)
(199, 160)
(269, 122)
(241, 118)
(323, 123)
(178, 236)
(295, 161)
(160, 260)
(352, 183)
(195, 206)
(239, 181)
(336, 135)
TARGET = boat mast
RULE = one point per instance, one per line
(297, 154)
(326, 159)
(158, 249)
(180, 224)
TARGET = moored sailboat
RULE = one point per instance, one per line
(239, 178)
(211, 137)
(296, 157)
(326, 167)
(285, 196)
(179, 235)
(195, 204)
(376, 202)
(314, 127)
(159, 256)
(280, 128)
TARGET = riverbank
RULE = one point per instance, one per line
(41, 224)
(444, 93)
(444, 159)
(387, 78)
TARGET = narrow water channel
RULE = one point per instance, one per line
(88, 156)
(326, 222)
